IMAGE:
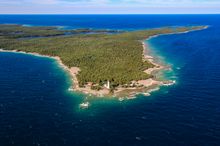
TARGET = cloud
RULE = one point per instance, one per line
(160, 2)
(168, 3)
(109, 6)
(116, 2)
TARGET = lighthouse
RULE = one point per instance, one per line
(108, 85)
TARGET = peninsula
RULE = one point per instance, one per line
(101, 62)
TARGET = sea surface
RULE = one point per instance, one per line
(37, 109)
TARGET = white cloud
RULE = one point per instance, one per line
(170, 2)
(109, 6)
(165, 3)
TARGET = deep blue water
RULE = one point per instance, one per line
(36, 107)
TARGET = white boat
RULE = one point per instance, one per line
(84, 105)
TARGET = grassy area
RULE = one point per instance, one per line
(101, 57)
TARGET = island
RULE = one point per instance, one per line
(100, 62)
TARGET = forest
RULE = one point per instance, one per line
(101, 55)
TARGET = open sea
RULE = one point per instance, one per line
(36, 108)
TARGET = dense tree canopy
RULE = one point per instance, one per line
(100, 56)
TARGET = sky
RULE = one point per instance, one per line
(109, 6)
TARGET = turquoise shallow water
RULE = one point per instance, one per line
(36, 107)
